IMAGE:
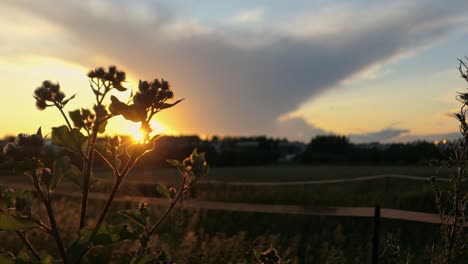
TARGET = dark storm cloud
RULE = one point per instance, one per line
(241, 81)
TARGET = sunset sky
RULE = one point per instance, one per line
(373, 70)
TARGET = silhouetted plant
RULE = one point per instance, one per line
(269, 256)
(392, 251)
(452, 201)
(74, 162)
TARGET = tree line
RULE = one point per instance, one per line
(262, 150)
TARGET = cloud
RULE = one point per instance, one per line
(384, 135)
(428, 137)
(296, 128)
(248, 16)
(239, 81)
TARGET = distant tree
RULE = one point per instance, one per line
(327, 149)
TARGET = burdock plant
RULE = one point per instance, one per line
(451, 201)
(79, 144)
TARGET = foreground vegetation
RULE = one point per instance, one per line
(198, 236)
(71, 156)
(220, 237)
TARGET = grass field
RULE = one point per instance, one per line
(277, 173)
(290, 173)
(201, 236)
(198, 236)
(404, 194)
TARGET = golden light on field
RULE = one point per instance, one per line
(136, 133)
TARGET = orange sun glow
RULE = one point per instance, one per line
(136, 133)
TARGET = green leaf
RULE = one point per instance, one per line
(46, 259)
(64, 102)
(10, 222)
(139, 150)
(135, 216)
(39, 132)
(28, 165)
(22, 257)
(164, 191)
(166, 105)
(102, 127)
(74, 175)
(4, 259)
(107, 235)
(61, 166)
(76, 118)
(119, 87)
(100, 110)
(101, 113)
(103, 150)
(129, 112)
(71, 140)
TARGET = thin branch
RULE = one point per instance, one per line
(150, 232)
(169, 209)
(52, 220)
(87, 166)
(118, 180)
(119, 176)
(60, 108)
(47, 228)
(28, 244)
(104, 119)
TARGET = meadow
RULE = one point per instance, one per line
(211, 236)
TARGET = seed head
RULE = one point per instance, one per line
(41, 105)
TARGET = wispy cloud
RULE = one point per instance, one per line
(384, 135)
(248, 16)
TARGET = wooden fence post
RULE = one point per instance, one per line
(376, 236)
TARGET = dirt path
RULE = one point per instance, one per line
(282, 209)
(289, 183)
(344, 180)
(386, 213)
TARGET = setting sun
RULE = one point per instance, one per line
(136, 133)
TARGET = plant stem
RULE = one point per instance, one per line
(53, 222)
(108, 204)
(87, 165)
(89, 160)
(28, 244)
(169, 209)
(166, 213)
(64, 116)
(456, 221)
(118, 180)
